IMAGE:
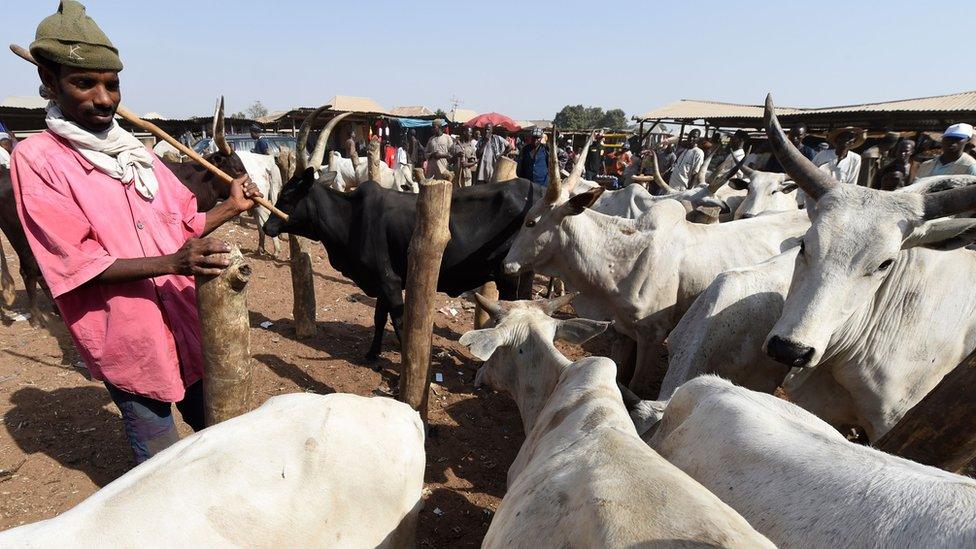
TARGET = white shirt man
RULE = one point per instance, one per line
(686, 167)
(844, 170)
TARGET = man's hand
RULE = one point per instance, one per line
(242, 193)
(195, 257)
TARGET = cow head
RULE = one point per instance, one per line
(293, 198)
(518, 350)
(852, 247)
(535, 243)
(766, 192)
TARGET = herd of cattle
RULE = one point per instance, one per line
(854, 306)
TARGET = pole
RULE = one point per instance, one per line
(144, 125)
(303, 287)
(430, 236)
(226, 340)
(941, 429)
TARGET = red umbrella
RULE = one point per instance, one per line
(499, 120)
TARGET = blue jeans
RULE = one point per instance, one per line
(149, 423)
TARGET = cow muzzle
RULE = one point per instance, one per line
(789, 352)
(512, 268)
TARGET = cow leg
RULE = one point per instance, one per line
(277, 245)
(650, 366)
(261, 238)
(37, 318)
(379, 326)
(623, 351)
(6, 281)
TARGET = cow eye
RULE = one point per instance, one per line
(530, 223)
(803, 247)
(886, 265)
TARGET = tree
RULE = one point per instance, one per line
(239, 114)
(439, 113)
(578, 117)
(256, 110)
(615, 119)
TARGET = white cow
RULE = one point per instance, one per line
(765, 192)
(802, 484)
(302, 470)
(867, 281)
(583, 478)
(264, 172)
(643, 273)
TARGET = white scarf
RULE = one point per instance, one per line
(114, 152)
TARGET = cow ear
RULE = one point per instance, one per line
(584, 200)
(482, 343)
(579, 330)
(942, 234)
(788, 187)
(738, 183)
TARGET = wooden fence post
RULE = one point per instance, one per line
(226, 339)
(430, 236)
(303, 287)
(941, 429)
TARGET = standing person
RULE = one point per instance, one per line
(6, 147)
(737, 144)
(414, 153)
(261, 145)
(796, 135)
(534, 159)
(688, 163)
(593, 157)
(118, 238)
(841, 162)
(352, 145)
(896, 173)
(438, 151)
(952, 161)
(624, 159)
(466, 154)
(476, 138)
(490, 148)
(875, 157)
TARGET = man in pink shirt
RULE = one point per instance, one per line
(116, 235)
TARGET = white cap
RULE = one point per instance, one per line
(960, 131)
(4, 135)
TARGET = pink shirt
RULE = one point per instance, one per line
(135, 335)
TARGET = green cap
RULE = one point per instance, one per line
(71, 38)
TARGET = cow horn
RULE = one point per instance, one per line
(555, 178)
(717, 182)
(951, 202)
(577, 172)
(318, 155)
(813, 181)
(701, 176)
(550, 306)
(493, 307)
(657, 175)
(301, 147)
(219, 137)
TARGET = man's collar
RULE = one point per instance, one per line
(88, 166)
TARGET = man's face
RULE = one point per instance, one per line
(488, 129)
(844, 140)
(438, 129)
(952, 145)
(466, 133)
(797, 134)
(693, 136)
(7, 145)
(255, 134)
(87, 97)
(905, 150)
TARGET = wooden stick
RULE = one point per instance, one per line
(303, 287)
(430, 236)
(941, 429)
(144, 125)
(225, 335)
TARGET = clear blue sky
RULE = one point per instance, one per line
(525, 59)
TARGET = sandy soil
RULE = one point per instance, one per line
(65, 434)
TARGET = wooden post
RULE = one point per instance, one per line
(430, 236)
(373, 159)
(226, 339)
(489, 290)
(303, 288)
(941, 429)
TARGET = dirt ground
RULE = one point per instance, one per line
(64, 433)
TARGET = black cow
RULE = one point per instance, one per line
(14, 231)
(367, 233)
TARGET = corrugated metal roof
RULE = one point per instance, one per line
(694, 109)
(699, 110)
(416, 110)
(965, 101)
(14, 102)
(460, 116)
(348, 103)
